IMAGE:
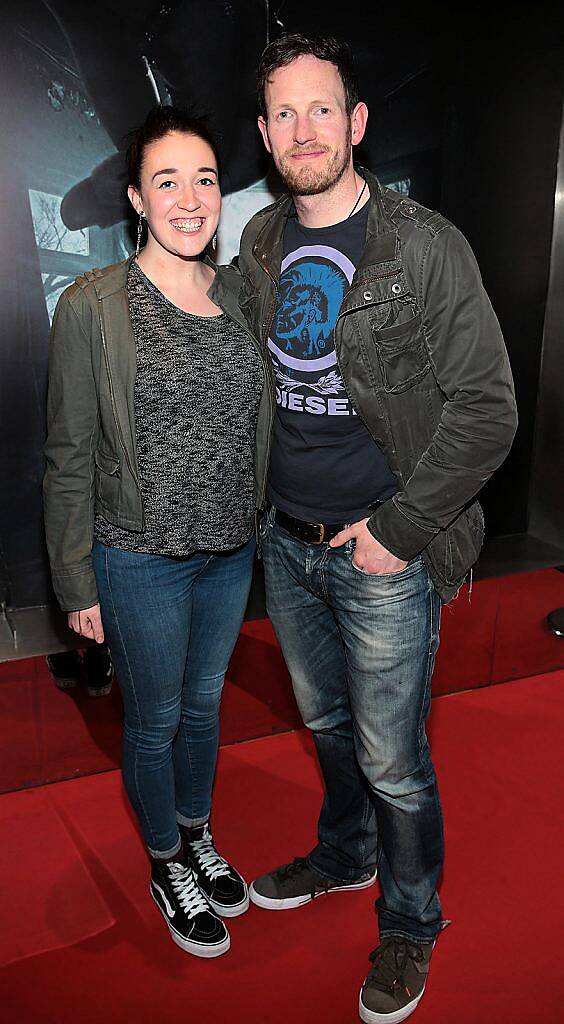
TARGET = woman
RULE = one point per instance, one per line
(156, 391)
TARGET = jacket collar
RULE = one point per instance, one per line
(224, 291)
(382, 241)
(110, 279)
(106, 282)
(267, 249)
(381, 236)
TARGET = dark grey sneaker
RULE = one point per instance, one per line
(396, 982)
(294, 884)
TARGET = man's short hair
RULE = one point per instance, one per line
(284, 50)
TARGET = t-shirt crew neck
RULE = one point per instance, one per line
(325, 465)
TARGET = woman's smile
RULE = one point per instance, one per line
(188, 225)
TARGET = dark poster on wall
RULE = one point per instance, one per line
(75, 80)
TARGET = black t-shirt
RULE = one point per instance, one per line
(325, 465)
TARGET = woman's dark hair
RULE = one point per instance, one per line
(161, 121)
(286, 49)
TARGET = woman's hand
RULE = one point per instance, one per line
(88, 623)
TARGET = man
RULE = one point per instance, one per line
(394, 406)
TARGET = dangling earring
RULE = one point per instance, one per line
(139, 232)
(214, 241)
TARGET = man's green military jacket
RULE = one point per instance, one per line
(424, 363)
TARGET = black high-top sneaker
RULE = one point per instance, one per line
(98, 671)
(65, 667)
(191, 922)
(224, 888)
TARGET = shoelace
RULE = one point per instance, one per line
(288, 871)
(184, 886)
(208, 857)
(390, 960)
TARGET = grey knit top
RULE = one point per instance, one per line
(197, 390)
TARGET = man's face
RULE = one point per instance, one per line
(307, 129)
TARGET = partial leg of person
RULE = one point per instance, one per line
(98, 671)
(146, 603)
(390, 630)
(298, 605)
(65, 668)
(220, 596)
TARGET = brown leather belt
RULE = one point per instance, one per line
(309, 533)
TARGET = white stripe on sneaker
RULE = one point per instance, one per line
(290, 902)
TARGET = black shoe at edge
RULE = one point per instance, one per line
(192, 924)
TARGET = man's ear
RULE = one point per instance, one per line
(135, 199)
(263, 128)
(359, 117)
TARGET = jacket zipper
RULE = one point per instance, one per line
(271, 391)
(267, 370)
(114, 410)
(266, 331)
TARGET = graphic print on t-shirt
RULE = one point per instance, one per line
(325, 466)
(313, 281)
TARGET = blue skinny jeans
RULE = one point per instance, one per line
(171, 624)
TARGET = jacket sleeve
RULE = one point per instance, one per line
(479, 418)
(68, 487)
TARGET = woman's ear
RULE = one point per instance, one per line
(135, 199)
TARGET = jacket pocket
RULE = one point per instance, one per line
(454, 551)
(107, 480)
(402, 354)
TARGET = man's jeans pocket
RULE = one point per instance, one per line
(412, 566)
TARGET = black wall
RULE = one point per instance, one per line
(500, 160)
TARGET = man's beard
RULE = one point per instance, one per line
(308, 181)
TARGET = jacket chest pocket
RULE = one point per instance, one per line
(401, 352)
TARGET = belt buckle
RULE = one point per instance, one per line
(321, 528)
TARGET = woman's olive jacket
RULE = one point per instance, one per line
(91, 451)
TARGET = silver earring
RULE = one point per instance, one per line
(139, 232)
(214, 242)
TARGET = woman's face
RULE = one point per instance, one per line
(179, 195)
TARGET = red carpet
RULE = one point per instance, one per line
(498, 755)
(39, 913)
(498, 634)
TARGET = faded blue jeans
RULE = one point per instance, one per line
(360, 650)
(171, 624)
